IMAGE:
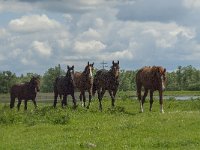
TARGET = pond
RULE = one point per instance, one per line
(181, 97)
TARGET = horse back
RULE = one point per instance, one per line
(62, 86)
(105, 80)
(144, 77)
(21, 91)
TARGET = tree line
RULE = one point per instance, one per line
(183, 78)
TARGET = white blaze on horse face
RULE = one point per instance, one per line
(72, 76)
(163, 85)
(91, 75)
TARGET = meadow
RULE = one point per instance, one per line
(122, 127)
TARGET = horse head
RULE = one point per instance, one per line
(89, 70)
(115, 68)
(160, 74)
(70, 74)
(35, 83)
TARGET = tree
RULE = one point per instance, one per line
(49, 78)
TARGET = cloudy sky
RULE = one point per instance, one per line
(38, 34)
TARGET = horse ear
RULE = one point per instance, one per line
(164, 70)
(113, 62)
(73, 67)
(118, 62)
(88, 63)
(67, 67)
(92, 64)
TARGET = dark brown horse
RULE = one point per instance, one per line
(107, 80)
(26, 91)
(84, 82)
(64, 86)
(151, 78)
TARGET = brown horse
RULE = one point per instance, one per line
(64, 86)
(151, 78)
(107, 80)
(84, 82)
(26, 91)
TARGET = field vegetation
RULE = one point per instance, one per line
(122, 127)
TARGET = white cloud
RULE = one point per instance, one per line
(77, 31)
(89, 46)
(3, 33)
(68, 17)
(90, 34)
(191, 3)
(33, 23)
(42, 48)
(15, 6)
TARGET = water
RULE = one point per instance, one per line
(181, 97)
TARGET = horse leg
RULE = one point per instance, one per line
(64, 101)
(112, 97)
(99, 97)
(55, 99)
(161, 101)
(84, 98)
(90, 97)
(81, 98)
(74, 100)
(34, 102)
(151, 100)
(114, 92)
(143, 99)
(12, 101)
(19, 103)
(139, 89)
(25, 104)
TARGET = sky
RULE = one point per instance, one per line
(38, 34)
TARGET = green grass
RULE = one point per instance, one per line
(122, 127)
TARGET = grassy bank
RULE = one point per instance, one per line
(120, 128)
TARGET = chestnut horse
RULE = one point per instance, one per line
(64, 86)
(84, 82)
(26, 91)
(151, 78)
(107, 80)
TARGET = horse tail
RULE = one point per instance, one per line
(60, 95)
(94, 88)
(12, 99)
(138, 85)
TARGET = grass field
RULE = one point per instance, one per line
(122, 127)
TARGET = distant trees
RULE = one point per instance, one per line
(49, 78)
(183, 78)
(7, 78)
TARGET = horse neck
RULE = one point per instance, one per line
(29, 85)
(112, 74)
(85, 75)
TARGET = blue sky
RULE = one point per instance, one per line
(37, 35)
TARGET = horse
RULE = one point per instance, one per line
(64, 86)
(107, 80)
(151, 78)
(84, 82)
(26, 91)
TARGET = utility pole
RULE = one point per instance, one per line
(104, 64)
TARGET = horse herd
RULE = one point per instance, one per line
(149, 78)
